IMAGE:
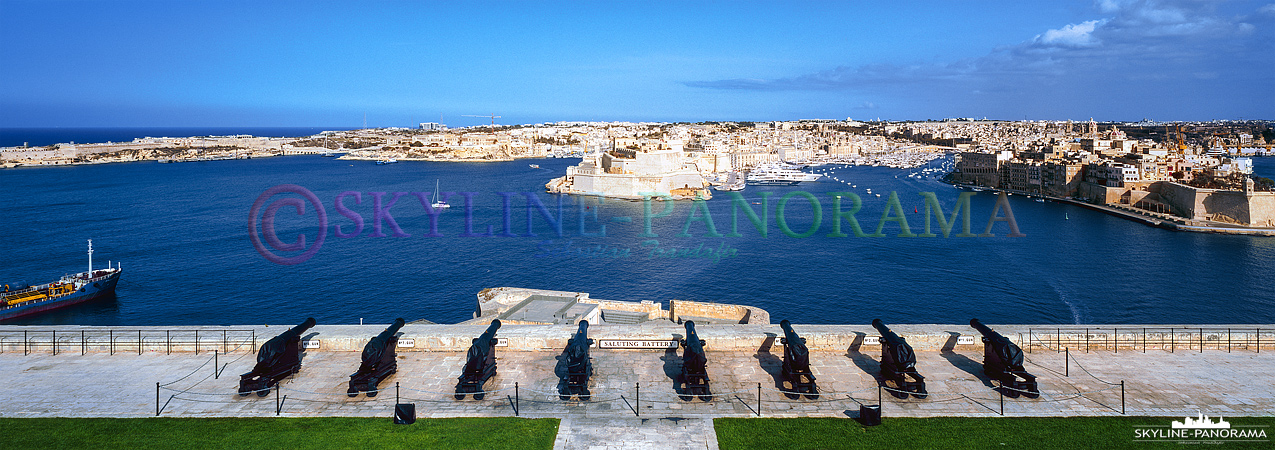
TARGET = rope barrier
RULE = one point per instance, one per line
(458, 393)
(201, 366)
(1082, 367)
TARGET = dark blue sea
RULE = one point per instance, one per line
(182, 232)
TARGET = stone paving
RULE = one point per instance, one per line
(1158, 383)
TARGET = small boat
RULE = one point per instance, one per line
(329, 155)
(436, 204)
(386, 161)
(534, 166)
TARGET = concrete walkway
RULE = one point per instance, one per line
(1158, 383)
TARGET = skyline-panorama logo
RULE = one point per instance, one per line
(1201, 429)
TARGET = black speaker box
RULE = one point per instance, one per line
(405, 413)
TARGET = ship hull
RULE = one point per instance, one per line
(99, 288)
(773, 182)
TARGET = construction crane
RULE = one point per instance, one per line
(492, 116)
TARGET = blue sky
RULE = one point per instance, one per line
(201, 63)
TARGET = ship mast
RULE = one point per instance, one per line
(90, 258)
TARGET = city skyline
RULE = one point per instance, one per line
(133, 63)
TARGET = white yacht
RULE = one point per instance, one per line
(771, 175)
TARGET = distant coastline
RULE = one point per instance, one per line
(43, 136)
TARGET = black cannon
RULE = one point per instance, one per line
(694, 364)
(898, 363)
(379, 362)
(578, 366)
(1003, 362)
(278, 358)
(480, 364)
(796, 369)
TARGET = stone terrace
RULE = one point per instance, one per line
(1218, 379)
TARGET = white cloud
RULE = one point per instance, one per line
(1073, 35)
(1268, 10)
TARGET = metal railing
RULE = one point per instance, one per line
(126, 341)
(1170, 339)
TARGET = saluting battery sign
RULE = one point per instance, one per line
(655, 344)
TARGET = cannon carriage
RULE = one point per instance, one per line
(379, 362)
(898, 364)
(1003, 362)
(278, 358)
(796, 367)
(579, 367)
(694, 365)
(480, 364)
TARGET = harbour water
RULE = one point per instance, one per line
(182, 234)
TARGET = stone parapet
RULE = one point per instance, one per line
(742, 337)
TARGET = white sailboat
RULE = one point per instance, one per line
(437, 203)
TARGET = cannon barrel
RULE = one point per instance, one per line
(987, 332)
(789, 334)
(490, 334)
(391, 330)
(691, 336)
(886, 332)
(898, 350)
(274, 348)
(480, 352)
(796, 355)
(694, 346)
(376, 347)
(297, 330)
(578, 345)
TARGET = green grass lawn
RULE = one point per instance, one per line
(277, 433)
(955, 433)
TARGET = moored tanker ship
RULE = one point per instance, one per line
(69, 290)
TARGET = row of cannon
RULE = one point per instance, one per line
(280, 357)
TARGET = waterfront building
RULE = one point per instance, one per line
(633, 174)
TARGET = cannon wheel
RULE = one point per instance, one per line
(352, 392)
(1009, 391)
(1033, 390)
(812, 392)
(791, 389)
(920, 391)
(263, 391)
(896, 388)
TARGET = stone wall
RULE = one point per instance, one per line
(744, 314)
(739, 338)
(654, 311)
(1102, 195)
(1251, 209)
